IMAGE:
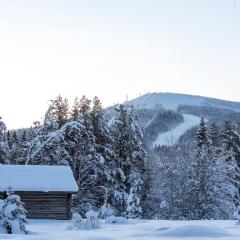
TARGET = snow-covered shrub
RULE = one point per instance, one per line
(116, 220)
(1, 208)
(2, 229)
(133, 204)
(106, 211)
(163, 204)
(77, 222)
(13, 215)
(92, 220)
(236, 214)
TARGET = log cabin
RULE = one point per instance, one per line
(45, 190)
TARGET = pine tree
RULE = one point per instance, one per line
(84, 116)
(84, 106)
(60, 110)
(50, 123)
(75, 109)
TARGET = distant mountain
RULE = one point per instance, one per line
(165, 117)
(173, 100)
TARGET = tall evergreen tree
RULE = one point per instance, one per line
(231, 140)
(201, 137)
(104, 148)
(4, 147)
(202, 175)
(60, 109)
(86, 163)
(231, 146)
(84, 106)
(75, 109)
(48, 145)
(214, 135)
(131, 156)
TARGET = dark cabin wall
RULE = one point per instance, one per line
(46, 205)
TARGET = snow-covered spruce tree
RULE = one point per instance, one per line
(4, 147)
(214, 135)
(13, 146)
(150, 202)
(74, 114)
(130, 155)
(224, 189)
(202, 178)
(87, 165)
(14, 215)
(48, 147)
(79, 143)
(231, 140)
(60, 110)
(231, 155)
(174, 171)
(84, 108)
(19, 144)
(202, 140)
(104, 148)
(212, 189)
(135, 178)
(168, 169)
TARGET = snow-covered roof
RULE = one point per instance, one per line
(37, 178)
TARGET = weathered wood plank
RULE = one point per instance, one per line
(46, 205)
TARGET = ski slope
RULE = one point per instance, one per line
(171, 137)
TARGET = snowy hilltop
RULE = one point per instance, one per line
(166, 117)
(174, 100)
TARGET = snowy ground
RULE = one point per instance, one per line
(171, 137)
(135, 230)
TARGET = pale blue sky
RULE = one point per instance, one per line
(111, 48)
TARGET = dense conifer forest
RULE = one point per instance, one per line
(116, 165)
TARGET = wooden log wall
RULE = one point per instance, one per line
(46, 205)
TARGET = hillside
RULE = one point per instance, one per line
(174, 100)
(160, 114)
